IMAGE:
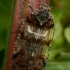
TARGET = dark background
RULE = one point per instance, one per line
(60, 52)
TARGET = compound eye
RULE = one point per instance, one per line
(42, 16)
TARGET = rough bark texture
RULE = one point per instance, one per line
(15, 26)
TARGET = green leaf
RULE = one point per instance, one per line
(54, 52)
(58, 30)
(58, 66)
(67, 34)
(64, 57)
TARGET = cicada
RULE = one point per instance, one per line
(33, 42)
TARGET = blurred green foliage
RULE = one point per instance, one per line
(60, 51)
(5, 9)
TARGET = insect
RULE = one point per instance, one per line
(33, 42)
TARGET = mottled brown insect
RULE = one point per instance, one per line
(33, 43)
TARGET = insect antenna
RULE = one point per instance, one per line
(31, 7)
